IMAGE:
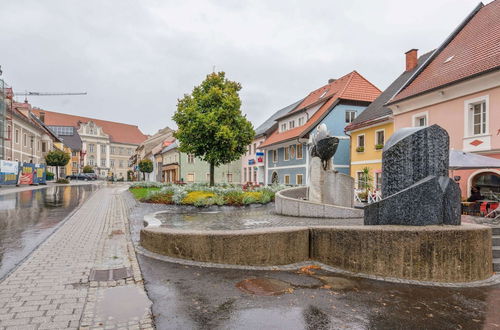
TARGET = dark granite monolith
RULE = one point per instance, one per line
(416, 189)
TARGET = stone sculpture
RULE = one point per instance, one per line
(416, 188)
(327, 186)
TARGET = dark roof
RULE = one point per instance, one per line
(471, 50)
(271, 121)
(73, 141)
(377, 108)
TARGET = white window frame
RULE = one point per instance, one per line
(187, 177)
(418, 116)
(291, 124)
(350, 119)
(283, 127)
(190, 158)
(376, 136)
(25, 140)
(301, 121)
(364, 141)
(229, 177)
(285, 178)
(286, 152)
(299, 147)
(468, 120)
(275, 155)
(16, 136)
(297, 179)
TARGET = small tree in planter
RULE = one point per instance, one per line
(88, 169)
(367, 181)
(57, 158)
(145, 166)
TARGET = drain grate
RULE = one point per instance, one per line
(110, 274)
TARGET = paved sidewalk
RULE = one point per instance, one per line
(52, 290)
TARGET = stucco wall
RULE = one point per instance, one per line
(201, 168)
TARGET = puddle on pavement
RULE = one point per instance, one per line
(263, 286)
(123, 303)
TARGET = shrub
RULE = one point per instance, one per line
(49, 176)
(196, 197)
(159, 198)
(234, 197)
(63, 181)
(88, 169)
(360, 149)
(379, 146)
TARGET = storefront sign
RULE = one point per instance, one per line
(261, 154)
(260, 159)
(251, 161)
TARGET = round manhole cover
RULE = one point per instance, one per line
(264, 286)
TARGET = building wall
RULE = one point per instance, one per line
(291, 167)
(451, 115)
(200, 169)
(257, 167)
(370, 157)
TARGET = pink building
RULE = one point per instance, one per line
(458, 88)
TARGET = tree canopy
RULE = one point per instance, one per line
(88, 169)
(145, 166)
(57, 158)
(210, 123)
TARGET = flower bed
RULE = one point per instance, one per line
(202, 194)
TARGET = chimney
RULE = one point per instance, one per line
(331, 80)
(411, 59)
(42, 116)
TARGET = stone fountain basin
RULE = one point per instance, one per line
(452, 254)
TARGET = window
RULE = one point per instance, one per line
(190, 159)
(361, 141)
(477, 118)
(91, 148)
(255, 176)
(254, 147)
(275, 156)
(245, 175)
(103, 148)
(208, 176)
(190, 177)
(287, 153)
(420, 121)
(112, 162)
(129, 151)
(44, 146)
(121, 164)
(286, 179)
(350, 115)
(291, 124)
(299, 179)
(91, 160)
(299, 151)
(112, 151)
(230, 177)
(73, 153)
(25, 140)
(249, 149)
(301, 121)
(32, 142)
(16, 136)
(38, 146)
(103, 162)
(249, 174)
(292, 151)
(74, 164)
(379, 138)
(283, 127)
(378, 180)
(360, 179)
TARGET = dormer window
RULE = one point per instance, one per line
(301, 121)
(283, 127)
(291, 124)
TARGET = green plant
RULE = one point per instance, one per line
(49, 175)
(64, 181)
(57, 158)
(379, 146)
(366, 180)
(234, 197)
(360, 149)
(88, 169)
(130, 175)
(210, 123)
(145, 166)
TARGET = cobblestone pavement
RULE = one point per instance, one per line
(52, 290)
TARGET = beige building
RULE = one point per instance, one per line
(27, 139)
(106, 145)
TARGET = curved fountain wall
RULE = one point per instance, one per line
(292, 202)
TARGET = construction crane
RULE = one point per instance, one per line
(47, 94)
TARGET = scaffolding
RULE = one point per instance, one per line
(3, 119)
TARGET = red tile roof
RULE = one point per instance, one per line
(352, 86)
(473, 50)
(118, 132)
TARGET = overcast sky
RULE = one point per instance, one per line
(135, 58)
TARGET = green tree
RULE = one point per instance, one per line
(367, 183)
(88, 169)
(145, 166)
(57, 158)
(210, 123)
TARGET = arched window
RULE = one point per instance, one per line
(274, 178)
(487, 182)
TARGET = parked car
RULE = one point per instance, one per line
(91, 176)
(78, 176)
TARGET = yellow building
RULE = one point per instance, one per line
(375, 125)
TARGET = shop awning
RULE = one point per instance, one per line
(460, 160)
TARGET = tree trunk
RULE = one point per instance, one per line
(212, 170)
(143, 176)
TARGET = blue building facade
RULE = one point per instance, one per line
(287, 164)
